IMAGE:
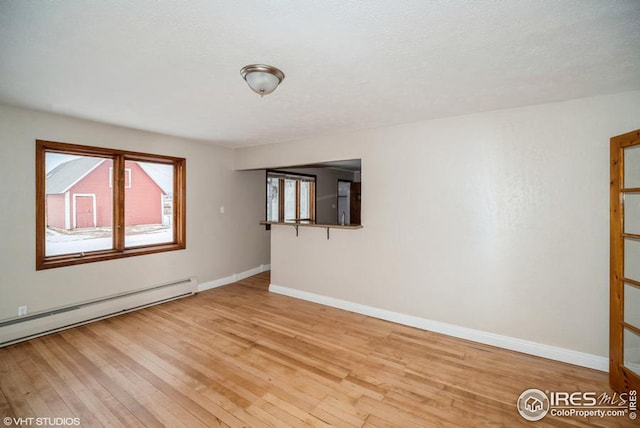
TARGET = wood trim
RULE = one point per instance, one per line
(632, 282)
(180, 202)
(631, 327)
(627, 139)
(630, 236)
(312, 201)
(118, 249)
(631, 190)
(84, 150)
(620, 378)
(266, 198)
(280, 199)
(118, 204)
(616, 377)
(97, 256)
(40, 203)
(297, 199)
(630, 377)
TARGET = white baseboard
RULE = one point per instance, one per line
(233, 278)
(532, 348)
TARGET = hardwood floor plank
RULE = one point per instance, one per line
(341, 410)
(15, 401)
(239, 356)
(39, 385)
(166, 378)
(291, 409)
(125, 396)
(101, 405)
(18, 388)
(66, 392)
(5, 408)
(199, 365)
(166, 410)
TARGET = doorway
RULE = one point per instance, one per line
(624, 300)
(348, 202)
(84, 208)
(344, 202)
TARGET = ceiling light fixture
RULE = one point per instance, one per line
(262, 79)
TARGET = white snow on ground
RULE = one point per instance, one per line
(59, 243)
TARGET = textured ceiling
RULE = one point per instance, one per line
(173, 66)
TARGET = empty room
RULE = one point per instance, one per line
(319, 213)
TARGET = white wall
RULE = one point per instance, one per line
(218, 245)
(496, 221)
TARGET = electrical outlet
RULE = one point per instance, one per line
(222, 209)
(22, 311)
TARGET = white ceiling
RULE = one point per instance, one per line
(173, 66)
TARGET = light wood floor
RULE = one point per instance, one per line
(240, 356)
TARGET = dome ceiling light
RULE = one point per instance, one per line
(262, 79)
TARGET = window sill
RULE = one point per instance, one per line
(95, 256)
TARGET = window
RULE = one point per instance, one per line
(98, 204)
(290, 197)
(127, 177)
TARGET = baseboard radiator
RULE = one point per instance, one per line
(18, 329)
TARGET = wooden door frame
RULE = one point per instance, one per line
(620, 378)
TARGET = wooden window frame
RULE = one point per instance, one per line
(293, 175)
(118, 250)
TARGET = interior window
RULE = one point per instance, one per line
(290, 197)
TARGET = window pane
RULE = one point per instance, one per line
(272, 199)
(632, 213)
(632, 305)
(289, 200)
(78, 204)
(304, 200)
(631, 351)
(632, 167)
(631, 259)
(148, 203)
(283, 191)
